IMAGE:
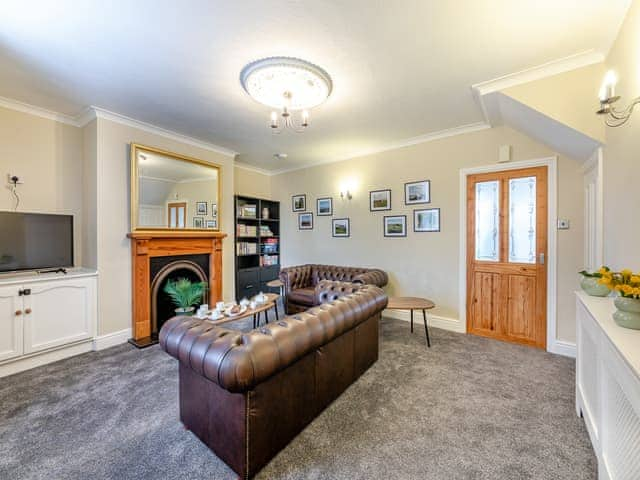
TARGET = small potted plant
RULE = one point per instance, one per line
(185, 295)
(627, 284)
(590, 282)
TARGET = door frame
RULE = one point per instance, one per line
(552, 238)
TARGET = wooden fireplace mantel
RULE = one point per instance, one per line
(163, 243)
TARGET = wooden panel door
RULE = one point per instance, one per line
(506, 255)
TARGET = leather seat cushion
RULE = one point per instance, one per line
(302, 296)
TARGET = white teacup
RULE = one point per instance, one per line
(204, 307)
(220, 306)
(252, 305)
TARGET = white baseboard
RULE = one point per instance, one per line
(436, 321)
(39, 359)
(111, 339)
(561, 347)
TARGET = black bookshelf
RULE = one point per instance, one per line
(257, 246)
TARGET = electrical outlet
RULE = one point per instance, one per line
(10, 179)
(563, 224)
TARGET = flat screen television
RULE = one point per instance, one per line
(35, 241)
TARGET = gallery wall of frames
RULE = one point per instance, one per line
(425, 219)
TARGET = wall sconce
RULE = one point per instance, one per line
(614, 117)
(346, 194)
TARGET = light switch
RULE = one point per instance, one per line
(563, 224)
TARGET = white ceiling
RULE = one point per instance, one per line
(400, 68)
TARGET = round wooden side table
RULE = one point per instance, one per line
(411, 304)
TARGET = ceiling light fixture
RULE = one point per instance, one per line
(614, 117)
(288, 85)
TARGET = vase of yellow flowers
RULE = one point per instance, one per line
(590, 283)
(627, 284)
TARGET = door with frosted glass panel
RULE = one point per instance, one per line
(506, 255)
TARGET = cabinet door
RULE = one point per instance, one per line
(59, 312)
(10, 322)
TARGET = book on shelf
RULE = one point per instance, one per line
(246, 230)
(248, 210)
(268, 260)
(246, 248)
(265, 231)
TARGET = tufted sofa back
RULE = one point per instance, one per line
(239, 361)
(304, 276)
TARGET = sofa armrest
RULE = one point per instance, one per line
(295, 277)
(376, 277)
(327, 291)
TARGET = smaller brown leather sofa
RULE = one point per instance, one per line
(247, 395)
(301, 283)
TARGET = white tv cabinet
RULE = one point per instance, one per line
(608, 387)
(46, 317)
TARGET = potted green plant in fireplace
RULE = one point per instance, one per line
(185, 294)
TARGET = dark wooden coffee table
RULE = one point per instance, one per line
(271, 302)
(411, 304)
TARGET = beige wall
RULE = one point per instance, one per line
(252, 183)
(48, 154)
(570, 98)
(622, 153)
(114, 262)
(424, 264)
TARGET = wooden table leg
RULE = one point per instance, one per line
(254, 320)
(426, 328)
(411, 310)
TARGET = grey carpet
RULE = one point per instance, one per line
(468, 408)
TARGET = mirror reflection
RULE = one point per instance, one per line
(175, 192)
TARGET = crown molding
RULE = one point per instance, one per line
(147, 127)
(92, 112)
(428, 137)
(23, 107)
(251, 168)
(545, 70)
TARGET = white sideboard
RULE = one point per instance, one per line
(46, 317)
(608, 387)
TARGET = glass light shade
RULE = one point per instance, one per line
(283, 82)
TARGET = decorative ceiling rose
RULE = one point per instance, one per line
(288, 85)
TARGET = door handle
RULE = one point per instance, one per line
(27, 311)
(541, 258)
(18, 313)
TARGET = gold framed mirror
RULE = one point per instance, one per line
(173, 192)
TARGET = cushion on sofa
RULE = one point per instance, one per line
(304, 296)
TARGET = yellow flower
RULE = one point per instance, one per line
(626, 272)
(635, 279)
(605, 281)
(603, 270)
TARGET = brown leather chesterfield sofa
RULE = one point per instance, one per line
(247, 395)
(301, 282)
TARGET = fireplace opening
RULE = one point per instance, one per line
(163, 269)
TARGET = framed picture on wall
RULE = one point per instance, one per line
(214, 209)
(340, 227)
(211, 223)
(305, 221)
(324, 206)
(198, 222)
(417, 192)
(379, 200)
(299, 202)
(201, 208)
(395, 226)
(426, 220)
